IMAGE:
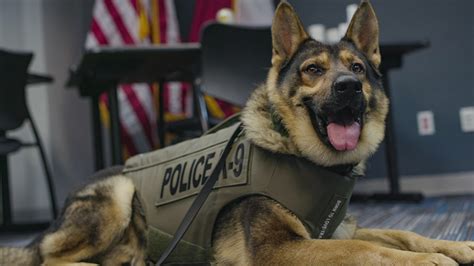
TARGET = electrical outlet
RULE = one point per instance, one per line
(466, 115)
(426, 124)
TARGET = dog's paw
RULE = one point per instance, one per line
(462, 252)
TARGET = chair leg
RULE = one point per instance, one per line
(200, 106)
(52, 194)
(6, 207)
(97, 133)
(161, 114)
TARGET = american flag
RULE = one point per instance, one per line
(147, 22)
(131, 23)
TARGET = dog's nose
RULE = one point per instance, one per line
(347, 86)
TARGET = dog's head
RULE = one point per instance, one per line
(329, 97)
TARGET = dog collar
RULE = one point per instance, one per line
(343, 169)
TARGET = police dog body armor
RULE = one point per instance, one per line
(169, 179)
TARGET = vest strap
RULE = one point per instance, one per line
(230, 121)
(200, 199)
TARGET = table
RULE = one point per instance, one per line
(102, 69)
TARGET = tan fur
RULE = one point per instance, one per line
(303, 140)
(103, 222)
(116, 214)
(291, 30)
(364, 32)
(276, 237)
(321, 60)
(258, 124)
(232, 250)
(462, 252)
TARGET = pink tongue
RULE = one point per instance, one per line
(344, 137)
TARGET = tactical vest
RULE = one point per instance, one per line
(169, 179)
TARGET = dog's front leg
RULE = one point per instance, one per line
(462, 252)
(342, 252)
(259, 231)
(58, 263)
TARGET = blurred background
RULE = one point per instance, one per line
(432, 89)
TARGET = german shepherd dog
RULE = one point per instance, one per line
(331, 103)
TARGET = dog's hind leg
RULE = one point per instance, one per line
(462, 252)
(93, 221)
(131, 248)
(258, 231)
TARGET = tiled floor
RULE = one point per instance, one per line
(450, 218)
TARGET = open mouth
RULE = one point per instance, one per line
(340, 128)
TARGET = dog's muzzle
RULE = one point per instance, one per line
(339, 121)
(347, 91)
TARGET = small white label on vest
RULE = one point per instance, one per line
(185, 176)
(335, 205)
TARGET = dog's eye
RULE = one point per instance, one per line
(314, 69)
(357, 68)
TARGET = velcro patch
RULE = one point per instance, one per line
(185, 176)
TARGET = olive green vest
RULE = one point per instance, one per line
(169, 179)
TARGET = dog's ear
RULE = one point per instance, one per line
(363, 31)
(287, 33)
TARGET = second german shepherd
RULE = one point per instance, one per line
(330, 104)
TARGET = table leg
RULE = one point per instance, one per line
(161, 114)
(116, 144)
(6, 205)
(97, 134)
(390, 146)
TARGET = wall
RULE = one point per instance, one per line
(55, 31)
(440, 78)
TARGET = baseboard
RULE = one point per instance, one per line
(429, 185)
